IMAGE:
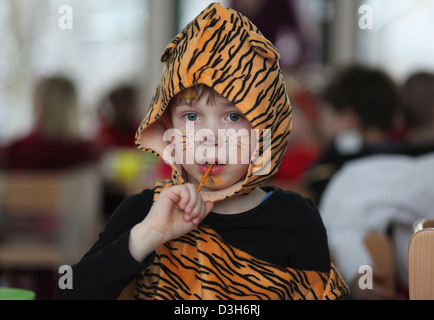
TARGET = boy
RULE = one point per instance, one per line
(221, 76)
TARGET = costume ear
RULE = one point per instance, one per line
(263, 46)
(171, 46)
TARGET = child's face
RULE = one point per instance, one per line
(213, 117)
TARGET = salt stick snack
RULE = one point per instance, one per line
(205, 176)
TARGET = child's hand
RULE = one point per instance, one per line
(177, 211)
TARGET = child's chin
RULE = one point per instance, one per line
(215, 187)
(212, 188)
(220, 185)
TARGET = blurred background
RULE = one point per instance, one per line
(76, 78)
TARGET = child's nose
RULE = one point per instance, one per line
(212, 133)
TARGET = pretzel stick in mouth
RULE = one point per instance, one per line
(204, 177)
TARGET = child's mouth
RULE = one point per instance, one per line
(217, 168)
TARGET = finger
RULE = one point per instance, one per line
(193, 199)
(184, 197)
(196, 218)
(198, 208)
(208, 206)
(206, 209)
(189, 205)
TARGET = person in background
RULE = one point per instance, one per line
(418, 110)
(385, 194)
(356, 118)
(55, 141)
(117, 117)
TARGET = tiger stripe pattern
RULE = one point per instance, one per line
(199, 265)
(224, 50)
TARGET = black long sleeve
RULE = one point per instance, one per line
(108, 267)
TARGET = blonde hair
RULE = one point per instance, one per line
(56, 105)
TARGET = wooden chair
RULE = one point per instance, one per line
(421, 261)
(380, 248)
(69, 200)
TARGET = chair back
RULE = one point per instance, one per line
(48, 218)
(421, 261)
(380, 248)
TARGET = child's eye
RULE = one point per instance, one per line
(190, 116)
(234, 117)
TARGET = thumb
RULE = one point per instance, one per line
(208, 206)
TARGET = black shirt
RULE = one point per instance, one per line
(286, 229)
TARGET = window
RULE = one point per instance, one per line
(106, 45)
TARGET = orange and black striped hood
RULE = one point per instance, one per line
(222, 49)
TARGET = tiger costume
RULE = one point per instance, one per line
(223, 50)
